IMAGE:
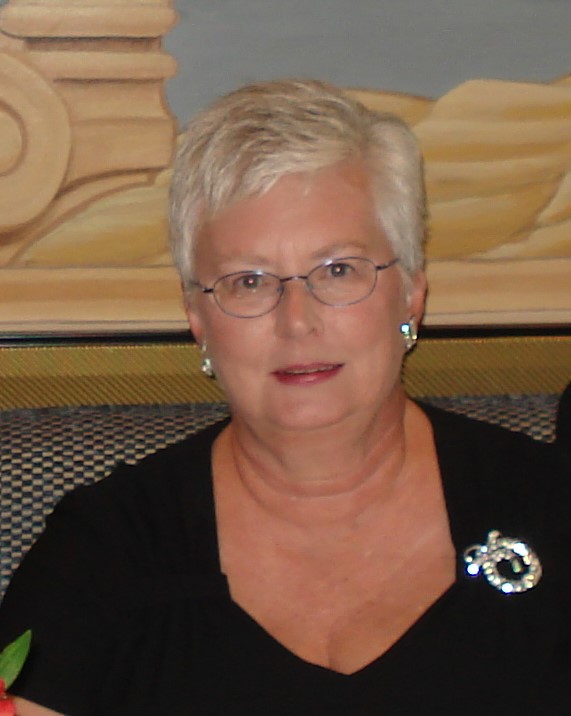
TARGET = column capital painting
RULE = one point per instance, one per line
(86, 146)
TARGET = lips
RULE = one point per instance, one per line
(307, 374)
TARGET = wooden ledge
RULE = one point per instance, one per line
(103, 373)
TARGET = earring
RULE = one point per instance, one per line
(206, 364)
(409, 332)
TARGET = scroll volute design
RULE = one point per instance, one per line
(35, 141)
(82, 111)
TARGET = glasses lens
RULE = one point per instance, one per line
(343, 281)
(248, 293)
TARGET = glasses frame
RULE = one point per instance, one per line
(296, 277)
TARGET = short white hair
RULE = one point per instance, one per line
(246, 141)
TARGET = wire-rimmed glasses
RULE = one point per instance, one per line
(335, 282)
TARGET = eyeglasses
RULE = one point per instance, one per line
(336, 282)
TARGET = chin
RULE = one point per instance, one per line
(313, 415)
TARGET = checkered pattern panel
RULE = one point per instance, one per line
(47, 452)
(531, 414)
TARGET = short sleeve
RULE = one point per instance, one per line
(60, 593)
(111, 588)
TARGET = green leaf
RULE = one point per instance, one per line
(13, 657)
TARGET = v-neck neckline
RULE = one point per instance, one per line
(464, 530)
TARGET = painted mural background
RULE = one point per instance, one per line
(86, 140)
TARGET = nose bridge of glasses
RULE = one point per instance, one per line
(297, 308)
(296, 277)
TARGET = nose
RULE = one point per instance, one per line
(298, 312)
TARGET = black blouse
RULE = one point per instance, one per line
(131, 614)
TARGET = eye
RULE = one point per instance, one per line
(247, 282)
(339, 269)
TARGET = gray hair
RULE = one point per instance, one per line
(246, 141)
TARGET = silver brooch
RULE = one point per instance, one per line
(509, 564)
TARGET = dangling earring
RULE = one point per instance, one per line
(409, 332)
(206, 364)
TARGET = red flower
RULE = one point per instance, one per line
(7, 707)
(12, 659)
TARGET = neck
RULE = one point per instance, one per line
(321, 476)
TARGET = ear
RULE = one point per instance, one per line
(417, 295)
(193, 318)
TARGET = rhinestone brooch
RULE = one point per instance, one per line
(508, 563)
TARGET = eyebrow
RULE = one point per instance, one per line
(252, 260)
(344, 249)
(338, 250)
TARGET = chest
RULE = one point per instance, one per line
(341, 606)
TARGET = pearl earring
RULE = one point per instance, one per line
(206, 364)
(409, 332)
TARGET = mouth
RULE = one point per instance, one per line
(308, 369)
(310, 373)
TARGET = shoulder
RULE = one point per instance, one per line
(460, 434)
(141, 522)
(154, 481)
(493, 476)
(493, 455)
(128, 545)
(126, 539)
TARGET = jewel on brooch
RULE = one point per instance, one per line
(509, 564)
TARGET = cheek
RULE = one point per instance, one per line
(235, 342)
(380, 320)
(377, 340)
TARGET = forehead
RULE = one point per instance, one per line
(302, 214)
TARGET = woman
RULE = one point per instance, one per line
(308, 556)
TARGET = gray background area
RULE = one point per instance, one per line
(423, 47)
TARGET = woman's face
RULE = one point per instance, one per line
(304, 365)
